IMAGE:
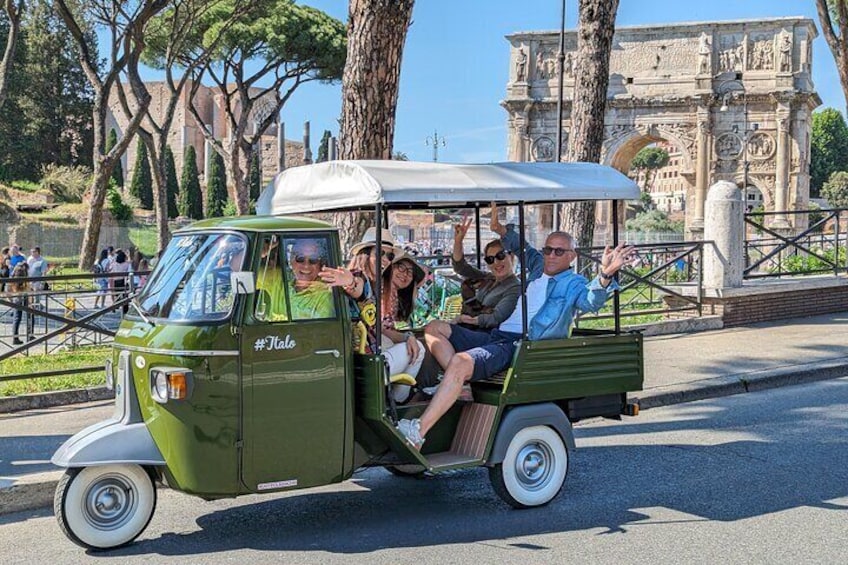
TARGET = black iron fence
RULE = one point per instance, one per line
(664, 280)
(47, 315)
(774, 251)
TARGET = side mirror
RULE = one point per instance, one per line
(242, 282)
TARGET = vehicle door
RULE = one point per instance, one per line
(294, 349)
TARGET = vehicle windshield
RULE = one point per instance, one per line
(191, 281)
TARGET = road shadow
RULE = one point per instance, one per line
(610, 488)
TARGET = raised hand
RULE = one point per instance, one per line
(614, 259)
(336, 276)
(495, 223)
(460, 229)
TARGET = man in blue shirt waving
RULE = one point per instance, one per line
(554, 295)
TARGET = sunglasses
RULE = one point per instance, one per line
(390, 255)
(500, 256)
(558, 251)
(304, 258)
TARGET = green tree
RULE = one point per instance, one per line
(47, 115)
(324, 147)
(255, 177)
(835, 190)
(191, 199)
(653, 221)
(118, 171)
(648, 161)
(279, 44)
(141, 185)
(829, 148)
(172, 186)
(216, 188)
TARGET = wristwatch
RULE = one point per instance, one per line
(605, 276)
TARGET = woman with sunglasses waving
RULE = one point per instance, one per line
(494, 299)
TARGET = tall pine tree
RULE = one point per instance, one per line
(191, 199)
(118, 171)
(324, 147)
(142, 182)
(172, 187)
(255, 178)
(216, 187)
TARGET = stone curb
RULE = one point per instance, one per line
(742, 383)
(57, 398)
(33, 492)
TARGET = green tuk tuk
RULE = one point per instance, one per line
(221, 392)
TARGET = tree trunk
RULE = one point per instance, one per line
(595, 29)
(836, 37)
(13, 12)
(159, 166)
(376, 34)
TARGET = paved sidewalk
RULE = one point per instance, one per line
(678, 368)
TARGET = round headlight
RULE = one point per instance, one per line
(160, 386)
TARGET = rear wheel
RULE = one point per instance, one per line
(533, 470)
(106, 506)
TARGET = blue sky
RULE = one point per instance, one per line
(455, 66)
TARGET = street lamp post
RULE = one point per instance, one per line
(435, 140)
(560, 85)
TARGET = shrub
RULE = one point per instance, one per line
(66, 184)
(653, 221)
(119, 210)
(230, 208)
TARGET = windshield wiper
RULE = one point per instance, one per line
(141, 313)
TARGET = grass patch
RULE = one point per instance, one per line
(144, 238)
(82, 357)
(25, 185)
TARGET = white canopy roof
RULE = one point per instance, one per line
(359, 184)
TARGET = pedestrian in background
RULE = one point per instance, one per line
(20, 298)
(5, 270)
(119, 284)
(101, 266)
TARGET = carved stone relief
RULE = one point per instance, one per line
(761, 145)
(731, 54)
(762, 166)
(761, 53)
(728, 146)
(544, 149)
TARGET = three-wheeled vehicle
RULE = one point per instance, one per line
(221, 391)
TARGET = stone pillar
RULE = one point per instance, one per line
(781, 180)
(724, 226)
(702, 170)
(307, 151)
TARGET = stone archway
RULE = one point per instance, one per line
(726, 93)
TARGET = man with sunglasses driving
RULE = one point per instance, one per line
(310, 297)
(554, 295)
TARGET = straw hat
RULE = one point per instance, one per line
(370, 240)
(419, 271)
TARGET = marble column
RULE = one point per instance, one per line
(702, 169)
(781, 181)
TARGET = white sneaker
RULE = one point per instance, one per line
(411, 430)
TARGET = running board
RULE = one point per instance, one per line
(469, 441)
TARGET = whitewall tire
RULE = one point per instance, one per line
(533, 470)
(106, 506)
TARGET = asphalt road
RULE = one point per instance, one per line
(756, 478)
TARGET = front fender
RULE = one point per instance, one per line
(109, 442)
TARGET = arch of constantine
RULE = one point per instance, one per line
(726, 96)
